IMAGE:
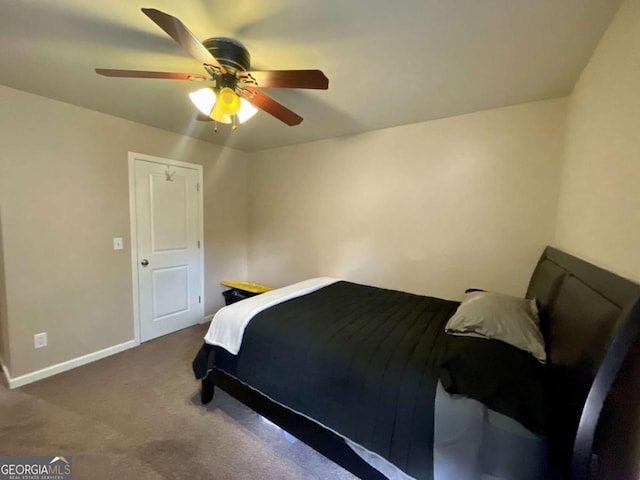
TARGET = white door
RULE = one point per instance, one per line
(167, 234)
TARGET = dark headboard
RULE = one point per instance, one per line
(590, 319)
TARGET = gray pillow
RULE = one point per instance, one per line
(500, 317)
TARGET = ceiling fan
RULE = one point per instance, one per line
(235, 95)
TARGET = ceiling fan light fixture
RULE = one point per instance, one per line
(219, 116)
(246, 111)
(228, 101)
(204, 100)
(207, 102)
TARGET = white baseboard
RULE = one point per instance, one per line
(68, 365)
(207, 319)
(6, 372)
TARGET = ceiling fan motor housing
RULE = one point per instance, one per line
(231, 54)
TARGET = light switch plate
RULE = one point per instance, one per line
(117, 243)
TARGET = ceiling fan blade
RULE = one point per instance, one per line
(269, 105)
(107, 72)
(181, 34)
(288, 78)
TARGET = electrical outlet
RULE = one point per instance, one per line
(40, 340)
(117, 243)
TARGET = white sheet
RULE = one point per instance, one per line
(228, 324)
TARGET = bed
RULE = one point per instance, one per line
(369, 377)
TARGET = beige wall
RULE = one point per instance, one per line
(600, 201)
(64, 196)
(433, 208)
(4, 321)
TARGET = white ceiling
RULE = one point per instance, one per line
(389, 63)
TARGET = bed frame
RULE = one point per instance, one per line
(591, 322)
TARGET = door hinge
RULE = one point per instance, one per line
(198, 243)
(199, 299)
(197, 187)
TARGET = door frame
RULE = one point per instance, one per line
(133, 157)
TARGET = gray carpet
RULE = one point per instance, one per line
(137, 415)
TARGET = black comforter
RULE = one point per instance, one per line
(365, 362)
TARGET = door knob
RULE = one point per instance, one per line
(144, 262)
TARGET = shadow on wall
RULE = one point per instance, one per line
(617, 441)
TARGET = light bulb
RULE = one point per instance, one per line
(246, 111)
(228, 100)
(213, 106)
(204, 100)
(218, 115)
